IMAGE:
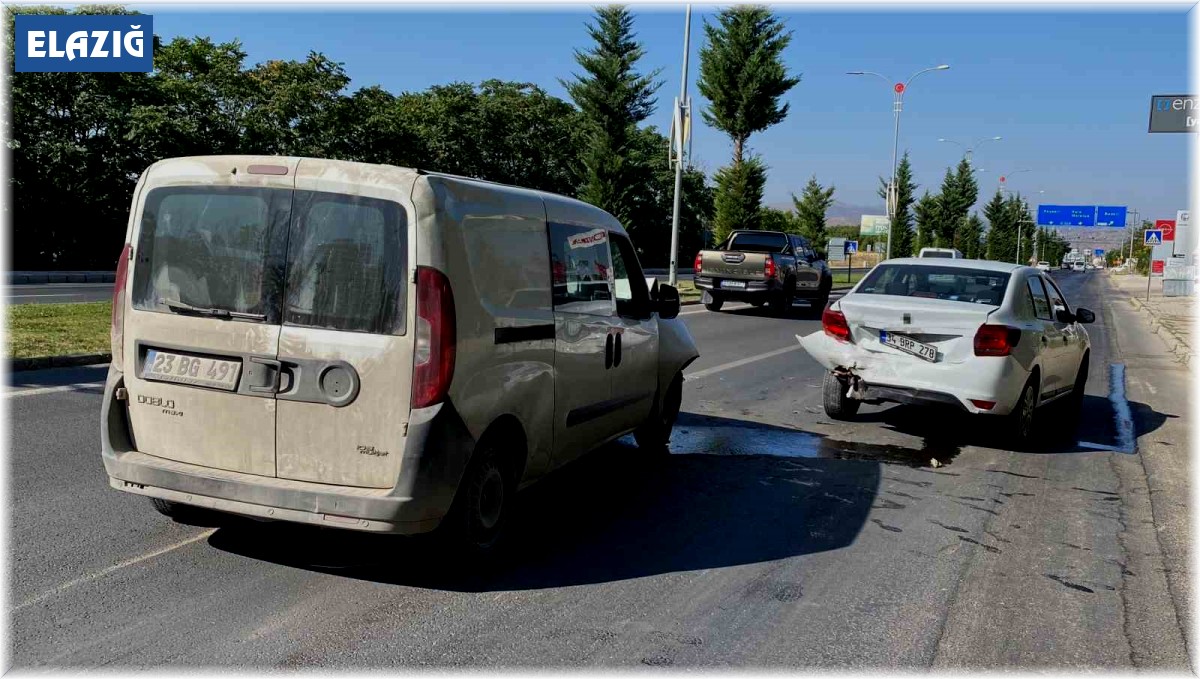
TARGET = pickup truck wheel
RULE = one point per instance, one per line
(837, 404)
(713, 303)
(781, 303)
(655, 433)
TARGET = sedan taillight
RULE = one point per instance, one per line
(834, 324)
(996, 340)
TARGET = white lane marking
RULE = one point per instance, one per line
(115, 567)
(52, 390)
(740, 362)
(65, 294)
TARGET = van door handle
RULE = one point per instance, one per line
(608, 351)
(274, 369)
(617, 356)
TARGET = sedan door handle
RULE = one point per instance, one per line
(617, 353)
(608, 351)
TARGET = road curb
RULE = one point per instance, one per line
(68, 361)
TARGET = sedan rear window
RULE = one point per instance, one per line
(936, 282)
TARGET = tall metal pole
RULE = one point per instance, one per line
(678, 141)
(893, 196)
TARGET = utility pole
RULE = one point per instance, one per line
(683, 108)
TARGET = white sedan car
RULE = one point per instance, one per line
(986, 337)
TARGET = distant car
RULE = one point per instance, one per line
(1065, 265)
(988, 338)
(945, 253)
(1078, 266)
(1043, 266)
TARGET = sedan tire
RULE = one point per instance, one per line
(838, 405)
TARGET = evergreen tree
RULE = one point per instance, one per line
(1001, 235)
(811, 207)
(969, 239)
(743, 77)
(738, 198)
(926, 215)
(613, 98)
(902, 224)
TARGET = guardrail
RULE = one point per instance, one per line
(42, 277)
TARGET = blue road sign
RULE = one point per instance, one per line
(1111, 215)
(1066, 215)
(1154, 237)
(851, 247)
(1099, 253)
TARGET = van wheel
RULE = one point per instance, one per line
(188, 514)
(655, 433)
(477, 522)
(837, 404)
(165, 507)
(712, 302)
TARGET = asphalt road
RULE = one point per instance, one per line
(772, 537)
(59, 293)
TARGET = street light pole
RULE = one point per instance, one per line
(897, 106)
(967, 151)
(680, 107)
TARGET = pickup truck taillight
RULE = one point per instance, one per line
(834, 324)
(996, 340)
(769, 267)
(698, 258)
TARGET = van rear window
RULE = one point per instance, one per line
(208, 247)
(346, 264)
(231, 249)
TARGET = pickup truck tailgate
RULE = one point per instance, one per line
(732, 264)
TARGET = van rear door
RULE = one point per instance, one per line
(346, 344)
(202, 321)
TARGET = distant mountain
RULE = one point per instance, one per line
(841, 213)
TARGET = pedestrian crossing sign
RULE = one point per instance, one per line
(1154, 236)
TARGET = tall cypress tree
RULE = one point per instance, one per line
(1001, 235)
(743, 77)
(902, 225)
(614, 98)
(926, 214)
(811, 207)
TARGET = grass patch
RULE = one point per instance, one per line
(687, 291)
(839, 278)
(58, 329)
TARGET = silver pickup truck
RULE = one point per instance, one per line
(763, 267)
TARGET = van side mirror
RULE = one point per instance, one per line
(1063, 316)
(667, 303)
(1084, 315)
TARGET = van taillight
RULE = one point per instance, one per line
(769, 267)
(116, 333)
(698, 258)
(433, 360)
(996, 340)
(834, 324)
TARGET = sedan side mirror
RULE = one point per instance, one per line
(1084, 315)
(668, 301)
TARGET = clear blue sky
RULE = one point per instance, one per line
(1068, 90)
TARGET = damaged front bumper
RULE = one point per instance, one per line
(884, 377)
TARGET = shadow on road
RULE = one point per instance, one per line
(614, 516)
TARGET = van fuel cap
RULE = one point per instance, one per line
(338, 383)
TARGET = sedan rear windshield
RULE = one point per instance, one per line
(936, 282)
(759, 242)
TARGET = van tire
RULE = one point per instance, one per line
(189, 515)
(713, 303)
(477, 522)
(837, 405)
(655, 434)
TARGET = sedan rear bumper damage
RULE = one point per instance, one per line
(885, 377)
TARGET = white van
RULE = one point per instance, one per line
(375, 348)
(945, 253)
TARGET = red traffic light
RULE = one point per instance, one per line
(899, 88)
